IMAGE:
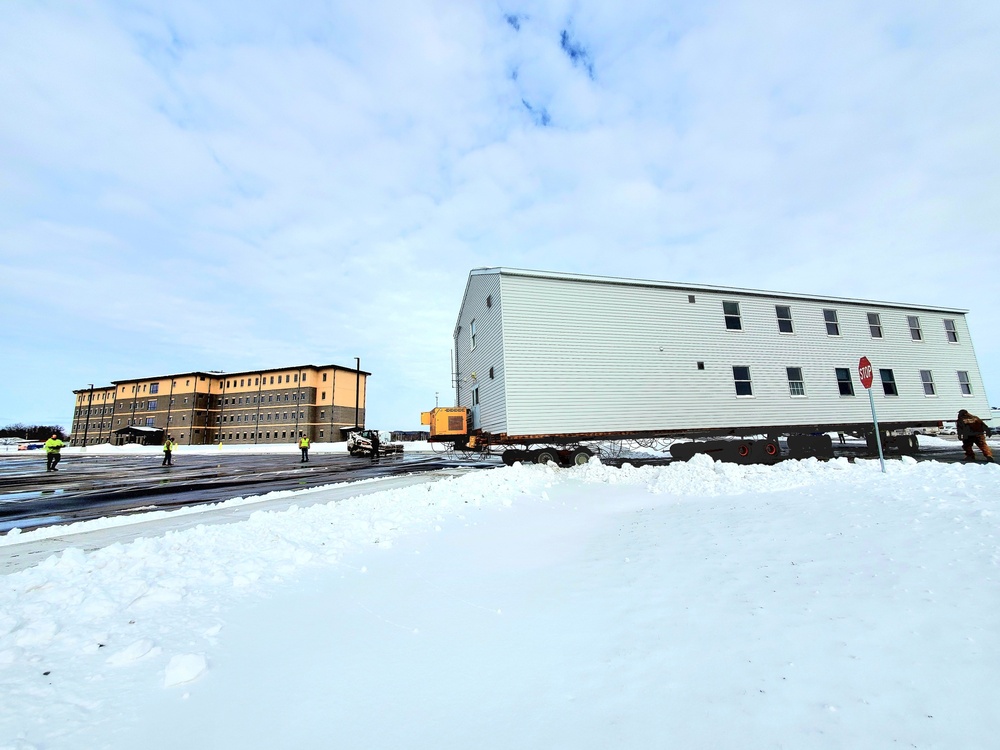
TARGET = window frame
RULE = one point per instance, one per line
(875, 329)
(835, 321)
(794, 384)
(964, 382)
(733, 321)
(472, 335)
(913, 323)
(784, 319)
(928, 382)
(889, 386)
(950, 332)
(738, 381)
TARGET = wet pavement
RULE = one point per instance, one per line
(94, 486)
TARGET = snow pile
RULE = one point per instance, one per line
(807, 604)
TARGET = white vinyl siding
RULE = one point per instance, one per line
(580, 354)
(474, 365)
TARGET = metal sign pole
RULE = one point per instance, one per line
(867, 373)
(878, 435)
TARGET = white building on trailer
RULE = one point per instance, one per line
(555, 354)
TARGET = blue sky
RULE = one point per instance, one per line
(233, 185)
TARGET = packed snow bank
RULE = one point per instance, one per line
(802, 605)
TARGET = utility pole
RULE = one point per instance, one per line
(86, 425)
(357, 389)
(298, 388)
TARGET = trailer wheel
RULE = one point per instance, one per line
(744, 451)
(577, 456)
(544, 456)
(766, 451)
(685, 451)
(512, 456)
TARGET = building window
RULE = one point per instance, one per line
(700, 365)
(731, 311)
(832, 324)
(296, 377)
(914, 322)
(741, 378)
(279, 379)
(154, 388)
(796, 386)
(964, 383)
(784, 314)
(690, 299)
(949, 331)
(472, 334)
(149, 421)
(151, 406)
(928, 380)
(875, 325)
(475, 396)
(324, 377)
(888, 383)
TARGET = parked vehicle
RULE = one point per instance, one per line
(545, 362)
(360, 443)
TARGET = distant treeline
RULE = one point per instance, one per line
(32, 431)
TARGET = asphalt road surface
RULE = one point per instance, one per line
(94, 486)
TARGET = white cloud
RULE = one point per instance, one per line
(259, 178)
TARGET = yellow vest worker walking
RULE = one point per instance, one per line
(304, 447)
(52, 447)
(168, 449)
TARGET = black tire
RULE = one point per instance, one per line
(766, 451)
(577, 456)
(684, 451)
(744, 451)
(511, 457)
(545, 456)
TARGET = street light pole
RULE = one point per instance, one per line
(357, 389)
(86, 425)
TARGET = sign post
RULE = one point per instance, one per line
(865, 372)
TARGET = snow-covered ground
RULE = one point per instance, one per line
(698, 605)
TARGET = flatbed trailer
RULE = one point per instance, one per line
(753, 444)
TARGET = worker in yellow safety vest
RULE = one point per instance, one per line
(52, 447)
(304, 447)
(168, 450)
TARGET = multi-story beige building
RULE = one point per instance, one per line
(242, 408)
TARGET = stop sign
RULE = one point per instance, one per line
(865, 372)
